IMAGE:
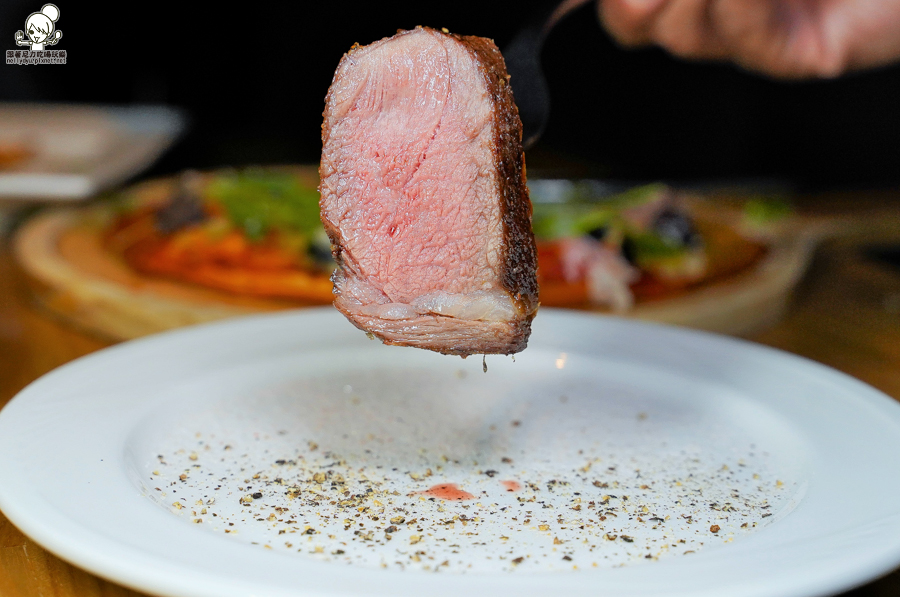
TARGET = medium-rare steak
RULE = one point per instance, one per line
(423, 195)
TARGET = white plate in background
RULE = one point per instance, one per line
(74, 151)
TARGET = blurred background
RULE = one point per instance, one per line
(759, 172)
(253, 79)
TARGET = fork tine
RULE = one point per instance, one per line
(523, 63)
(528, 84)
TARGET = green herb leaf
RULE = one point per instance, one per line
(260, 201)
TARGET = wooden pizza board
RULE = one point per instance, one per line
(75, 277)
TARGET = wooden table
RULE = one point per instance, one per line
(846, 314)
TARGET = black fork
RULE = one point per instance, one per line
(523, 63)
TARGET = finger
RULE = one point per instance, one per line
(862, 34)
(630, 21)
(684, 28)
(786, 39)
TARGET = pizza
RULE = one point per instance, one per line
(256, 232)
(641, 245)
(251, 232)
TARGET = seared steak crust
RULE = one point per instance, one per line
(424, 197)
(519, 267)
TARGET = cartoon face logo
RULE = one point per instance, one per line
(41, 29)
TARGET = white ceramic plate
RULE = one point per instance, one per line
(74, 152)
(275, 455)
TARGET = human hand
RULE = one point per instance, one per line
(780, 38)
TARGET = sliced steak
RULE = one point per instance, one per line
(424, 198)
